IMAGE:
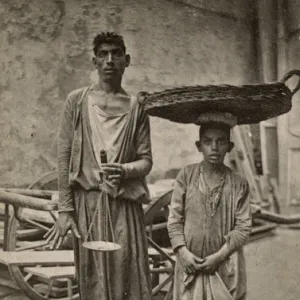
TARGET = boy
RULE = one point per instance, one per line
(210, 219)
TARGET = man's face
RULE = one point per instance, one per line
(111, 61)
(214, 144)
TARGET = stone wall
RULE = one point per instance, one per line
(46, 52)
(289, 125)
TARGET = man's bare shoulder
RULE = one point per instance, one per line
(75, 94)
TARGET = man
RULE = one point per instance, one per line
(210, 219)
(105, 117)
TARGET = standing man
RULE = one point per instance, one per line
(104, 116)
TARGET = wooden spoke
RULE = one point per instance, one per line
(34, 223)
(160, 286)
(28, 277)
(161, 259)
(31, 245)
(42, 274)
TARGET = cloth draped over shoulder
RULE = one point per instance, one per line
(105, 275)
(76, 168)
(203, 235)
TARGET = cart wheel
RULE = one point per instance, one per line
(161, 263)
(47, 182)
(29, 236)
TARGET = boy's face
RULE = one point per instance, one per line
(214, 144)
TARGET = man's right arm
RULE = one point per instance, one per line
(65, 219)
(64, 148)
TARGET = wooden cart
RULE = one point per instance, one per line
(39, 272)
(44, 274)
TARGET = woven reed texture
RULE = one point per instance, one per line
(249, 103)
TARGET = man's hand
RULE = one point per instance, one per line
(114, 172)
(64, 223)
(189, 261)
(210, 263)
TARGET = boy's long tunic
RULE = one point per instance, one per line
(189, 225)
(123, 274)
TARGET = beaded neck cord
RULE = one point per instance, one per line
(213, 195)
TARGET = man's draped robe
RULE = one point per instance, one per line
(123, 274)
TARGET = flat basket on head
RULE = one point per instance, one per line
(249, 103)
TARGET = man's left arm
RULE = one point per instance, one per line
(143, 163)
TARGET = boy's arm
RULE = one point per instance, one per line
(176, 215)
(238, 237)
(189, 261)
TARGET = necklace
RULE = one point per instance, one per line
(213, 196)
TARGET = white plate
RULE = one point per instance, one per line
(101, 246)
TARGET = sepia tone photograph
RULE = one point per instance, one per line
(149, 150)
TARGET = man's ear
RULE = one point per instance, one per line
(231, 146)
(94, 61)
(128, 59)
(198, 145)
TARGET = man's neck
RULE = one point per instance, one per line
(110, 87)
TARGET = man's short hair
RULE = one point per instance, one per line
(109, 38)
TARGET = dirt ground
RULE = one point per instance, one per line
(273, 266)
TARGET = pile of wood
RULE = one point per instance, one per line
(263, 192)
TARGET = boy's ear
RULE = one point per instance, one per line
(231, 146)
(198, 145)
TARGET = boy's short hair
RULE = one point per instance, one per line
(214, 125)
(110, 38)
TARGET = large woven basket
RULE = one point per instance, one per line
(249, 103)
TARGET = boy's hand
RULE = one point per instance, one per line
(189, 261)
(210, 263)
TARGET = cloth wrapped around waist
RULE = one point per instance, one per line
(211, 285)
(130, 189)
